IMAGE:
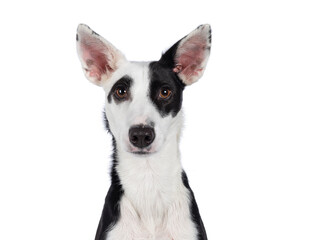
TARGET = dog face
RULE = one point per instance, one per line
(143, 99)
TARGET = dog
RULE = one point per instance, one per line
(149, 196)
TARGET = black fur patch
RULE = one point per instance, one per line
(106, 122)
(111, 210)
(194, 210)
(162, 76)
(168, 58)
(124, 82)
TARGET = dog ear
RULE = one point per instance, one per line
(188, 57)
(98, 57)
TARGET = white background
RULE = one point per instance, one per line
(251, 144)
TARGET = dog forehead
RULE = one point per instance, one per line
(136, 71)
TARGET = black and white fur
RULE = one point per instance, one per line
(149, 196)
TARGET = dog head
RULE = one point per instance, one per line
(143, 99)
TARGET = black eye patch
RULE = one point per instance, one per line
(120, 91)
(162, 80)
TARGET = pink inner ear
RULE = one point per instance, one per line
(93, 54)
(191, 55)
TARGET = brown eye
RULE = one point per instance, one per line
(121, 92)
(165, 93)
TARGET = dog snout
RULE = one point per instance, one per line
(141, 136)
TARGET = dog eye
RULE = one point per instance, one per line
(121, 92)
(165, 93)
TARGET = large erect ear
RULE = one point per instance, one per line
(98, 57)
(189, 56)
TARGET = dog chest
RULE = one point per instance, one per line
(155, 217)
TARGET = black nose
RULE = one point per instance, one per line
(141, 136)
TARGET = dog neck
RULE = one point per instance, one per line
(151, 183)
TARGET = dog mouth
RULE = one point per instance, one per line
(142, 153)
